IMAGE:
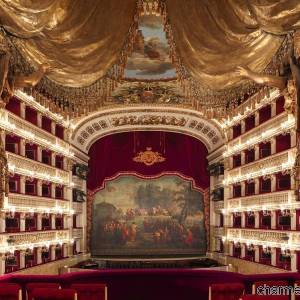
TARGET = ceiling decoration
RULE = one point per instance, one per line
(150, 57)
(93, 47)
(106, 122)
(157, 92)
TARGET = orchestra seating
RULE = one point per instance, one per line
(53, 294)
(146, 284)
(226, 291)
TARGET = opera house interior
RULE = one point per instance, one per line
(149, 149)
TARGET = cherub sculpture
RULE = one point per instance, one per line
(263, 79)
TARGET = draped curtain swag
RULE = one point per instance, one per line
(82, 40)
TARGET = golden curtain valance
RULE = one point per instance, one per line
(214, 37)
(83, 40)
(80, 39)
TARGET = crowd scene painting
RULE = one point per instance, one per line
(134, 216)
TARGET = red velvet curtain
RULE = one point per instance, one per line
(114, 154)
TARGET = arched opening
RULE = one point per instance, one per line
(148, 195)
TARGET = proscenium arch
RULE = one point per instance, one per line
(179, 120)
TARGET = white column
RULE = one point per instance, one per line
(39, 188)
(22, 147)
(39, 221)
(52, 252)
(53, 186)
(22, 259)
(230, 220)
(273, 219)
(243, 219)
(78, 248)
(53, 221)
(231, 248)
(243, 157)
(65, 250)
(243, 185)
(293, 219)
(39, 255)
(293, 261)
(2, 264)
(66, 221)
(65, 163)
(256, 255)
(22, 184)
(230, 133)
(22, 109)
(53, 159)
(243, 126)
(243, 250)
(293, 182)
(293, 137)
(256, 216)
(273, 183)
(273, 108)
(2, 223)
(273, 256)
(256, 152)
(53, 125)
(256, 183)
(22, 222)
(79, 220)
(256, 115)
(273, 145)
(39, 119)
(39, 153)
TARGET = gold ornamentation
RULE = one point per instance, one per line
(149, 157)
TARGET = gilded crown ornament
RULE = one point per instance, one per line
(149, 157)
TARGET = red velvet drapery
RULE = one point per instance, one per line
(114, 154)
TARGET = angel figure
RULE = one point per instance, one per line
(8, 84)
(263, 79)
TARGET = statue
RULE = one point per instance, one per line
(9, 83)
(5, 89)
(263, 79)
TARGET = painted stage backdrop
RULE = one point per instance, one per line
(151, 217)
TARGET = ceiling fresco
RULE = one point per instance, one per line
(162, 92)
(150, 58)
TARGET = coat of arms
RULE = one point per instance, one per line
(149, 157)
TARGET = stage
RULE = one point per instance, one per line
(150, 263)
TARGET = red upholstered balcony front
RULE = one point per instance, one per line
(53, 294)
(30, 287)
(10, 291)
(226, 291)
(90, 291)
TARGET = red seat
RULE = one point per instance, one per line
(53, 294)
(34, 285)
(90, 291)
(259, 297)
(226, 291)
(10, 291)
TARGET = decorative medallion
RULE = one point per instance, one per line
(149, 157)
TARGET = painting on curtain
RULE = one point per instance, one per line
(149, 217)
